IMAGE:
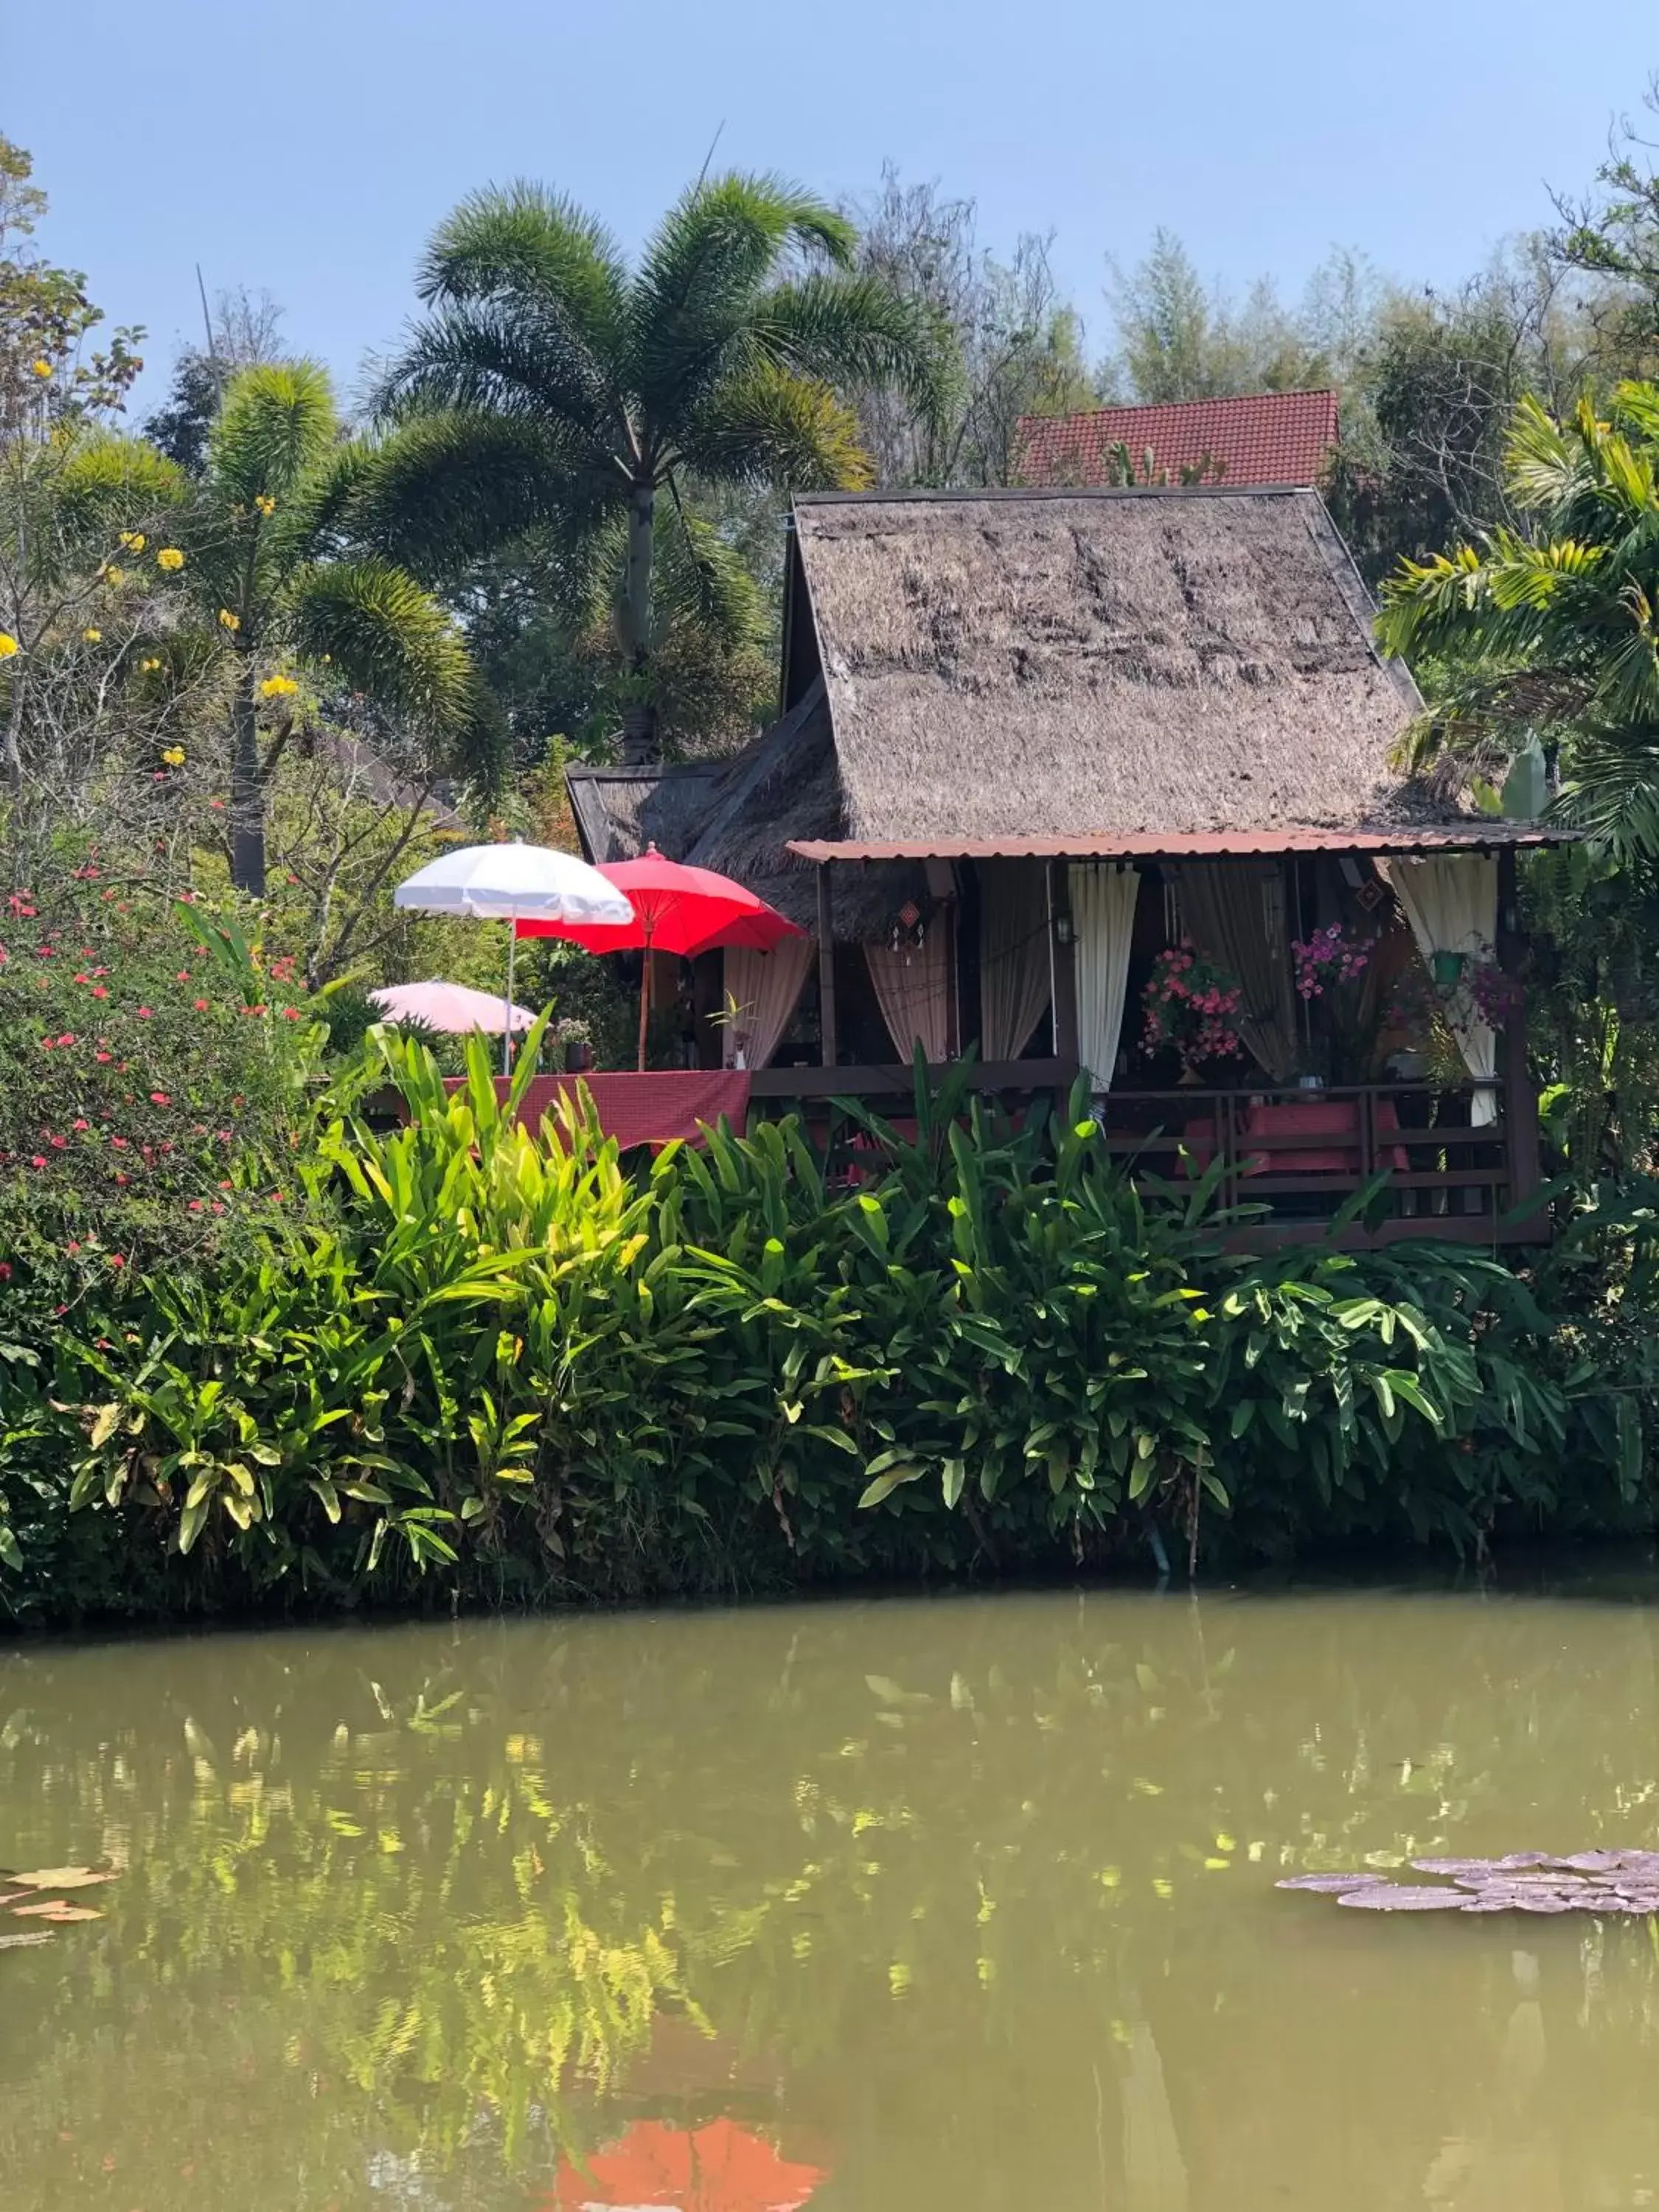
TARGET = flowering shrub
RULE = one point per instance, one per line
(1328, 959)
(1190, 1003)
(147, 1085)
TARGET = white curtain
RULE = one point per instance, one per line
(1451, 900)
(913, 989)
(1103, 895)
(766, 986)
(1013, 954)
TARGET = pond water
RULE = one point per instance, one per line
(934, 1906)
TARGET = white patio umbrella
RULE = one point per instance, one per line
(511, 884)
(451, 1008)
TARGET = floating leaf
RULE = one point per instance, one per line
(1328, 1881)
(1396, 1896)
(63, 1878)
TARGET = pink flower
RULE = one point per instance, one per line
(143, 1013)
(196, 1205)
(118, 1259)
(119, 1143)
(103, 1058)
(39, 1160)
(5, 1271)
(99, 991)
(160, 1099)
(201, 1005)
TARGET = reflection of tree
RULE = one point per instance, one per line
(937, 1882)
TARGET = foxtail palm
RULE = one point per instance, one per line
(555, 394)
(1557, 633)
(275, 576)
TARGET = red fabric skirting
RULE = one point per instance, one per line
(648, 1108)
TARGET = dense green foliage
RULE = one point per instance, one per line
(497, 1361)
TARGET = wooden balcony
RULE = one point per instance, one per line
(1298, 1155)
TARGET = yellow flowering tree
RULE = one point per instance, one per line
(268, 565)
(80, 599)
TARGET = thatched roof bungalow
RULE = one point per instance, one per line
(1030, 741)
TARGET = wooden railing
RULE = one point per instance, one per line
(1297, 1155)
(1303, 1154)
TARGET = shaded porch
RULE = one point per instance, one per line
(1458, 1149)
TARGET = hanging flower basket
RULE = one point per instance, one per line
(1192, 1004)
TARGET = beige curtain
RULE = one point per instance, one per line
(1103, 897)
(766, 986)
(1013, 954)
(1234, 912)
(913, 989)
(1451, 900)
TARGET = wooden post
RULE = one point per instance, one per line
(826, 969)
(1519, 1097)
(1065, 953)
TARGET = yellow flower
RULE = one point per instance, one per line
(133, 540)
(174, 757)
(277, 687)
(169, 558)
(115, 578)
(265, 503)
(228, 621)
(93, 637)
(9, 645)
(41, 367)
(150, 664)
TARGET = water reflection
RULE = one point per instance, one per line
(957, 1904)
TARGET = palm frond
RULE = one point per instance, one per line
(278, 422)
(701, 579)
(857, 329)
(1613, 790)
(524, 243)
(497, 358)
(450, 488)
(703, 274)
(387, 638)
(774, 427)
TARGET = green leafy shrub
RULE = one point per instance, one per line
(465, 1347)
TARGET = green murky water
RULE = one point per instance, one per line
(934, 1906)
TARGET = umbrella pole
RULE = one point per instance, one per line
(645, 995)
(506, 1011)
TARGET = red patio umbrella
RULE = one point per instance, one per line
(676, 910)
(720, 2168)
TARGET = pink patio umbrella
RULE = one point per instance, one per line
(451, 1008)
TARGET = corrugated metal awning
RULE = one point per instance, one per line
(1475, 835)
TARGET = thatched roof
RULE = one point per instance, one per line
(962, 667)
(621, 811)
(786, 786)
(1090, 661)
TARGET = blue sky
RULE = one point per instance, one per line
(308, 150)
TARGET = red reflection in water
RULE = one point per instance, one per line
(719, 2168)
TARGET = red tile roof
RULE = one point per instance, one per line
(1270, 438)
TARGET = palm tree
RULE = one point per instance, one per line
(554, 394)
(277, 577)
(1556, 635)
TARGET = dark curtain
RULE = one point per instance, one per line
(1234, 912)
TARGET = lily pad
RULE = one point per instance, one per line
(1389, 1896)
(62, 1878)
(1327, 1881)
